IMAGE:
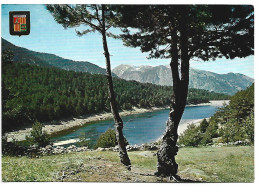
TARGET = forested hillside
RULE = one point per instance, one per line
(31, 92)
(232, 123)
(50, 60)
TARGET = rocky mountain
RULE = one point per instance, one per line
(24, 55)
(222, 83)
(228, 83)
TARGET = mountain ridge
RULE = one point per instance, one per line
(228, 83)
(25, 55)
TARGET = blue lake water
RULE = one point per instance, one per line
(140, 128)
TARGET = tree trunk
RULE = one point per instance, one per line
(118, 121)
(167, 165)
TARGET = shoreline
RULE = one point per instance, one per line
(185, 123)
(72, 123)
(183, 126)
(64, 125)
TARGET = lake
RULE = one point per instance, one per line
(139, 128)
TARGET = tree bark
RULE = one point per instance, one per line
(167, 165)
(118, 121)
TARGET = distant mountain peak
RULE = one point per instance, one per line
(228, 83)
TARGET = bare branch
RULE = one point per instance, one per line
(108, 27)
(97, 15)
(91, 25)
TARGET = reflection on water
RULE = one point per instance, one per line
(140, 128)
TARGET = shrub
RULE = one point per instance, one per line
(204, 125)
(108, 139)
(38, 136)
(232, 131)
(191, 136)
(210, 132)
(200, 135)
(208, 136)
(249, 126)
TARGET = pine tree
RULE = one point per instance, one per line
(98, 18)
(182, 32)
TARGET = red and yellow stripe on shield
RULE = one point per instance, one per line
(18, 20)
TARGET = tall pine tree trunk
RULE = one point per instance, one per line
(167, 165)
(118, 121)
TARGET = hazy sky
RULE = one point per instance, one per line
(48, 36)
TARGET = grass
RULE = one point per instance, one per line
(206, 164)
(224, 164)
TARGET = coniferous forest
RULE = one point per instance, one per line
(31, 92)
(231, 123)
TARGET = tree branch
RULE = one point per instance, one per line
(108, 27)
(91, 25)
(97, 16)
(174, 55)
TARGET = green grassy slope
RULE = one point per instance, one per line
(208, 164)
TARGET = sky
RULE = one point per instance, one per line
(50, 37)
